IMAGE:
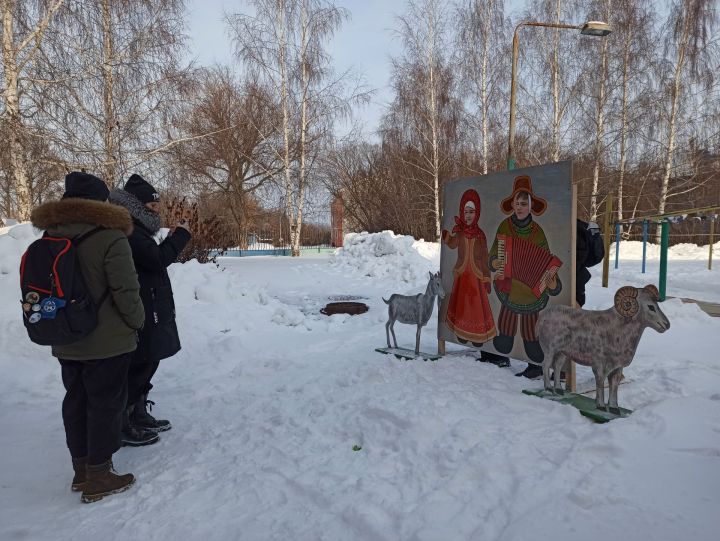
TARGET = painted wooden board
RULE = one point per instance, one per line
(407, 354)
(479, 239)
(584, 404)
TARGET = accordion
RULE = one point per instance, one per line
(527, 262)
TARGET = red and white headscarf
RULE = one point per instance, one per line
(470, 197)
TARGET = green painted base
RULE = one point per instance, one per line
(407, 354)
(584, 404)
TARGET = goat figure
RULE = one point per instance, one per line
(605, 340)
(413, 309)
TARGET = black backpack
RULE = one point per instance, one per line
(57, 307)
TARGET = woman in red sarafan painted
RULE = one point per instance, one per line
(469, 315)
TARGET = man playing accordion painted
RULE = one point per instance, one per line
(525, 272)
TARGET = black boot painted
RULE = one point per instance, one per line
(503, 343)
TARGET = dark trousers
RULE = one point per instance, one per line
(139, 375)
(96, 393)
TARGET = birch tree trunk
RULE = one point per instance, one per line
(675, 92)
(599, 122)
(484, 84)
(285, 99)
(111, 151)
(305, 76)
(13, 65)
(555, 81)
(434, 121)
(20, 175)
(623, 121)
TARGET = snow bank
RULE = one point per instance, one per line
(387, 255)
(13, 242)
(196, 284)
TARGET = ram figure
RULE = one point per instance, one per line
(605, 340)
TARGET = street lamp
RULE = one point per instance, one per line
(595, 28)
(590, 28)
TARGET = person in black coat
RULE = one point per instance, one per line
(159, 338)
(590, 250)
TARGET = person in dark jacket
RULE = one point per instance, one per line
(590, 250)
(159, 337)
(94, 368)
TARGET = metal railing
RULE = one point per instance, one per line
(663, 221)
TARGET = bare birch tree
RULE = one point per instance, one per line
(633, 22)
(426, 110)
(115, 69)
(482, 49)
(23, 30)
(691, 25)
(551, 81)
(600, 103)
(284, 45)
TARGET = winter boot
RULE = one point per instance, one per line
(103, 480)
(135, 436)
(503, 343)
(141, 417)
(533, 371)
(493, 358)
(78, 482)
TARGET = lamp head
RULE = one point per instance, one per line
(595, 28)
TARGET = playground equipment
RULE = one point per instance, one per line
(663, 220)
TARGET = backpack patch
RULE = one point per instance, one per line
(56, 305)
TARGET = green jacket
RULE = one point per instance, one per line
(520, 298)
(107, 265)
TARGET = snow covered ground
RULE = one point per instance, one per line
(268, 398)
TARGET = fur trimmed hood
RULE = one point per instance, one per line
(83, 211)
(144, 216)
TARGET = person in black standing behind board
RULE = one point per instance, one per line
(159, 337)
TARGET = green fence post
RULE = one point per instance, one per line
(712, 239)
(645, 237)
(606, 239)
(664, 241)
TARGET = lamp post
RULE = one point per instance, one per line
(590, 28)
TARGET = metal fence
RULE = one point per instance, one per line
(275, 240)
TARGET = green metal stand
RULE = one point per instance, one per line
(664, 241)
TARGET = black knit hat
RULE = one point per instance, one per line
(141, 189)
(85, 186)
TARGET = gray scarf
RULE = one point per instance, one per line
(148, 219)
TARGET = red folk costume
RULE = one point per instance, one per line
(469, 315)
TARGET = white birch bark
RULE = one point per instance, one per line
(555, 77)
(624, 122)
(672, 128)
(285, 99)
(305, 75)
(484, 82)
(110, 150)
(434, 120)
(599, 122)
(15, 58)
